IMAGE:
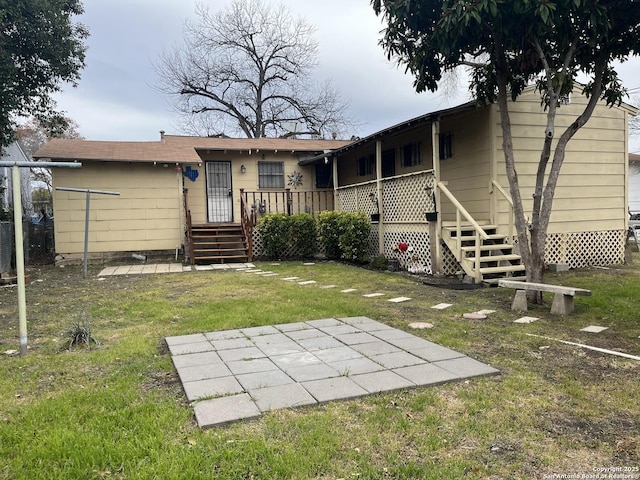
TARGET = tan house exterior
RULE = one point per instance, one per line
(451, 162)
(435, 183)
(155, 179)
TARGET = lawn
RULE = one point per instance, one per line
(117, 411)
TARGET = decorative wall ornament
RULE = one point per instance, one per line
(191, 173)
(295, 179)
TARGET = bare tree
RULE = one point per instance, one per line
(33, 134)
(248, 70)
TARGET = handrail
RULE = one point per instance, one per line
(479, 231)
(247, 224)
(187, 213)
(509, 200)
(373, 182)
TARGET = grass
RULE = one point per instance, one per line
(117, 411)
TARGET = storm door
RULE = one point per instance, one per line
(219, 193)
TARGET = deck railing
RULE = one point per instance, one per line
(288, 202)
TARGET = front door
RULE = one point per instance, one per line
(219, 193)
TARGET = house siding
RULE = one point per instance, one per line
(590, 194)
(146, 216)
(467, 172)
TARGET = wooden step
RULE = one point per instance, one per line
(489, 247)
(502, 269)
(494, 258)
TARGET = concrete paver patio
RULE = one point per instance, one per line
(238, 374)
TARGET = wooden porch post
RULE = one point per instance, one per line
(435, 230)
(379, 196)
(334, 165)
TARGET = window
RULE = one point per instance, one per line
(411, 155)
(446, 146)
(324, 175)
(366, 166)
(389, 163)
(271, 174)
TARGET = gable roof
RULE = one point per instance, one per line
(173, 148)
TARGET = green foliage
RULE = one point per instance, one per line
(303, 234)
(275, 229)
(343, 235)
(79, 334)
(41, 47)
(380, 262)
(285, 235)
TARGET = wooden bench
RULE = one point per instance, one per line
(562, 301)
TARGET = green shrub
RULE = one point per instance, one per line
(288, 235)
(344, 236)
(275, 229)
(380, 262)
(303, 234)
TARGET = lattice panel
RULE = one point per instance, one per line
(407, 198)
(450, 265)
(584, 249)
(417, 237)
(358, 198)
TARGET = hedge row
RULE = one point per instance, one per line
(340, 235)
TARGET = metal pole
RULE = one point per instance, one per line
(86, 237)
(17, 222)
(17, 219)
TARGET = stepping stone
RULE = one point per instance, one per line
(526, 320)
(372, 295)
(307, 282)
(399, 299)
(474, 316)
(309, 263)
(220, 411)
(442, 306)
(291, 279)
(485, 312)
(201, 268)
(593, 329)
(421, 325)
(349, 290)
(270, 274)
(328, 286)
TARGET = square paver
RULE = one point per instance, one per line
(203, 372)
(312, 372)
(211, 387)
(442, 306)
(324, 322)
(355, 366)
(399, 299)
(397, 359)
(381, 381)
(355, 338)
(239, 367)
(300, 335)
(436, 353)
(224, 410)
(426, 374)
(339, 329)
(185, 348)
(375, 348)
(373, 295)
(323, 342)
(179, 340)
(232, 343)
(252, 381)
(224, 335)
(193, 359)
(465, 367)
(338, 388)
(349, 290)
(331, 355)
(297, 359)
(281, 396)
(292, 327)
(526, 320)
(593, 329)
(245, 353)
(260, 331)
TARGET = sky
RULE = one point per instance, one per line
(117, 98)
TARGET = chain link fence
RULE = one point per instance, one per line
(39, 245)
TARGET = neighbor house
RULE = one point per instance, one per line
(435, 187)
(634, 183)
